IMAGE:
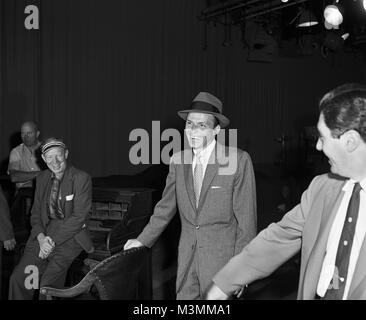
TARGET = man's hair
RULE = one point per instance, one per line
(344, 108)
(31, 123)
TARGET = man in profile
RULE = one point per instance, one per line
(328, 226)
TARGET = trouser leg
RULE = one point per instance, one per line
(25, 276)
(58, 265)
(190, 290)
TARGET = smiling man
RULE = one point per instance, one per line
(61, 206)
(329, 224)
(217, 208)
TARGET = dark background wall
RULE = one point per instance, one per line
(97, 69)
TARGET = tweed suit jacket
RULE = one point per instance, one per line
(76, 201)
(306, 227)
(225, 219)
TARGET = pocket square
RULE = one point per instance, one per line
(215, 187)
(70, 197)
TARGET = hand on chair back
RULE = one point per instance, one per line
(132, 243)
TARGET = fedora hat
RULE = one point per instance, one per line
(205, 102)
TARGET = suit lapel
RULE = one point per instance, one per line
(45, 186)
(360, 271)
(211, 171)
(315, 262)
(188, 176)
(65, 188)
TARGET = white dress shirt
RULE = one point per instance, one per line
(328, 267)
(204, 156)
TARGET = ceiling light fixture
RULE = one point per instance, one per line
(307, 19)
(333, 16)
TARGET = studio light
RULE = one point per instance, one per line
(332, 15)
(307, 19)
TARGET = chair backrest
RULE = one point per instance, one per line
(116, 278)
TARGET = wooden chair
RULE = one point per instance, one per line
(115, 278)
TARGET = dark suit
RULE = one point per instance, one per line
(223, 223)
(6, 228)
(69, 234)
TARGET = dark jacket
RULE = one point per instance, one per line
(6, 228)
(76, 202)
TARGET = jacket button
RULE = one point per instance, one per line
(197, 227)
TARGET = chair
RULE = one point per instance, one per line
(115, 278)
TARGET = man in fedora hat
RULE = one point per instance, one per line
(62, 202)
(217, 208)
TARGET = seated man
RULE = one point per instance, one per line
(24, 163)
(62, 202)
(6, 228)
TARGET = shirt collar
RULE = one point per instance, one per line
(206, 152)
(26, 148)
(350, 183)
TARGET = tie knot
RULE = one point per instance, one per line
(198, 158)
(357, 188)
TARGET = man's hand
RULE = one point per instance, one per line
(132, 243)
(46, 246)
(9, 244)
(215, 293)
(239, 292)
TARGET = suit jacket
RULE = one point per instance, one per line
(76, 201)
(6, 228)
(223, 223)
(306, 227)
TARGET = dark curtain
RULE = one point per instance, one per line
(97, 69)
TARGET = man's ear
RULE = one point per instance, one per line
(217, 129)
(352, 140)
(38, 133)
(43, 157)
(66, 153)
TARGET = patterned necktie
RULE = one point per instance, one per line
(55, 208)
(336, 290)
(197, 179)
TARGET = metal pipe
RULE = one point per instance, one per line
(217, 10)
(249, 16)
(222, 9)
(225, 6)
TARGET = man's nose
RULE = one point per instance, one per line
(55, 161)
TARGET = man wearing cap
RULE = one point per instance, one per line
(24, 159)
(62, 203)
(217, 207)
